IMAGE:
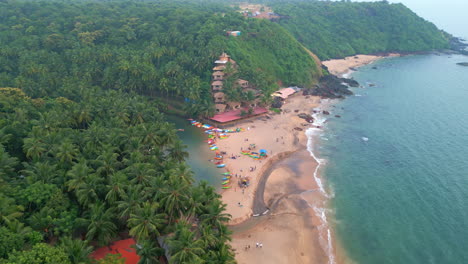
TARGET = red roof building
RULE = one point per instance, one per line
(236, 115)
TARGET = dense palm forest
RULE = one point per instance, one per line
(105, 167)
(159, 48)
(339, 29)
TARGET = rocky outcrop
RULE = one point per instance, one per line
(306, 117)
(459, 45)
(463, 64)
(277, 102)
(331, 86)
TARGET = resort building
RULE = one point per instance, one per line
(217, 86)
(218, 75)
(230, 111)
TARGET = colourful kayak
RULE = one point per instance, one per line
(221, 165)
(226, 173)
(226, 178)
(226, 187)
(225, 182)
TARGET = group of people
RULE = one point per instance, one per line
(258, 245)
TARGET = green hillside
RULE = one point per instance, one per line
(161, 48)
(339, 29)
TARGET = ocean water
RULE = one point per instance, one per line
(199, 153)
(397, 162)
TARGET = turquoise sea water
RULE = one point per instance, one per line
(397, 162)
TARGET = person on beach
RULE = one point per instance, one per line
(260, 245)
(257, 244)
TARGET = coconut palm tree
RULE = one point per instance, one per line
(148, 251)
(107, 161)
(174, 198)
(146, 221)
(177, 151)
(116, 187)
(66, 152)
(77, 175)
(127, 206)
(101, 224)
(183, 246)
(34, 148)
(221, 255)
(9, 211)
(214, 215)
(77, 250)
(88, 192)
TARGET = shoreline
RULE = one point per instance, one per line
(341, 67)
(278, 193)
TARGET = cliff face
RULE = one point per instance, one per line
(339, 29)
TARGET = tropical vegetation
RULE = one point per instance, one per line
(80, 174)
(335, 29)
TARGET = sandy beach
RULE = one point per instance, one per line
(294, 231)
(341, 66)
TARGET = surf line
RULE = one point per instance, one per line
(320, 212)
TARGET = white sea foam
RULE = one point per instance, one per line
(365, 139)
(319, 121)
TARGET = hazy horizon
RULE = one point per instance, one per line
(448, 15)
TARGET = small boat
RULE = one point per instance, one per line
(225, 182)
(226, 178)
(219, 162)
(221, 165)
(226, 187)
(226, 173)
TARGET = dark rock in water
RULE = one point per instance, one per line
(325, 112)
(371, 84)
(331, 86)
(306, 117)
(463, 64)
(353, 69)
(338, 116)
(374, 68)
(459, 45)
(350, 82)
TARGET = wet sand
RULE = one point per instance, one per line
(290, 231)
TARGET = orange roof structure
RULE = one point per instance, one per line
(122, 247)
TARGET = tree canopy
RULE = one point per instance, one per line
(335, 29)
(92, 169)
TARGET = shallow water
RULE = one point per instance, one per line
(199, 152)
(397, 162)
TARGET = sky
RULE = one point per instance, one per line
(449, 15)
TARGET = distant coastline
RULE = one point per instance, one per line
(340, 67)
